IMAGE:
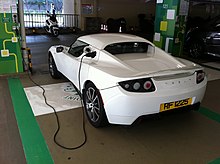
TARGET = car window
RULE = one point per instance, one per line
(129, 47)
(217, 27)
(76, 49)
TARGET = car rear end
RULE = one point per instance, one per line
(131, 99)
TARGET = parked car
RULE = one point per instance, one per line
(122, 77)
(203, 38)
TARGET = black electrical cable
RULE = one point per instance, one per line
(56, 115)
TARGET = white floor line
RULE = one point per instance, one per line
(213, 64)
(212, 74)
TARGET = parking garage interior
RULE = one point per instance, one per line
(29, 126)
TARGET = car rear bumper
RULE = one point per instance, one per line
(213, 50)
(124, 107)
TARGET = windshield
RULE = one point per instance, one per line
(76, 49)
(129, 47)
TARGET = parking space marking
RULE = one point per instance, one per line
(213, 116)
(210, 114)
(216, 161)
(34, 145)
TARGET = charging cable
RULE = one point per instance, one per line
(92, 55)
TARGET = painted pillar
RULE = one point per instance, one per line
(69, 7)
(10, 55)
(170, 24)
(88, 12)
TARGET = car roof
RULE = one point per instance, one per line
(101, 40)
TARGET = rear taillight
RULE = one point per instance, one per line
(200, 75)
(138, 85)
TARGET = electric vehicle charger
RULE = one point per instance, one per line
(92, 55)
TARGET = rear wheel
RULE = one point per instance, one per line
(94, 106)
(52, 68)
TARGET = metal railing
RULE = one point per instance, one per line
(39, 20)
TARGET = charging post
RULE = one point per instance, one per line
(170, 25)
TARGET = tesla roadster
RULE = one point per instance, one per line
(122, 77)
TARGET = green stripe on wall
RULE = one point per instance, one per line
(35, 147)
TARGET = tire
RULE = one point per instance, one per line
(52, 68)
(55, 32)
(196, 49)
(93, 106)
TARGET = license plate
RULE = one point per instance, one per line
(175, 104)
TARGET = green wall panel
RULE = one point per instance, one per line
(170, 25)
(10, 42)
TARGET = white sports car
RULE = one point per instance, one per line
(122, 77)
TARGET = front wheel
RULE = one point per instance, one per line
(52, 68)
(94, 106)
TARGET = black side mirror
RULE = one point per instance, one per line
(59, 49)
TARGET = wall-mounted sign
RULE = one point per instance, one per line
(184, 7)
(87, 9)
(171, 14)
(8, 6)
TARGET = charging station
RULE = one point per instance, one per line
(10, 55)
(170, 25)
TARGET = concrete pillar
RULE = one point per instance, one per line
(69, 7)
(88, 13)
(170, 24)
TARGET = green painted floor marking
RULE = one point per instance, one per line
(216, 161)
(210, 114)
(35, 147)
(214, 116)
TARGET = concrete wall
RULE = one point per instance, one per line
(104, 9)
(129, 9)
(88, 9)
(204, 10)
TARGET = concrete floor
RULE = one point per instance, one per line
(186, 137)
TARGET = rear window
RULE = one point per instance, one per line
(129, 47)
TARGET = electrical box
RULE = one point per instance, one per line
(11, 56)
